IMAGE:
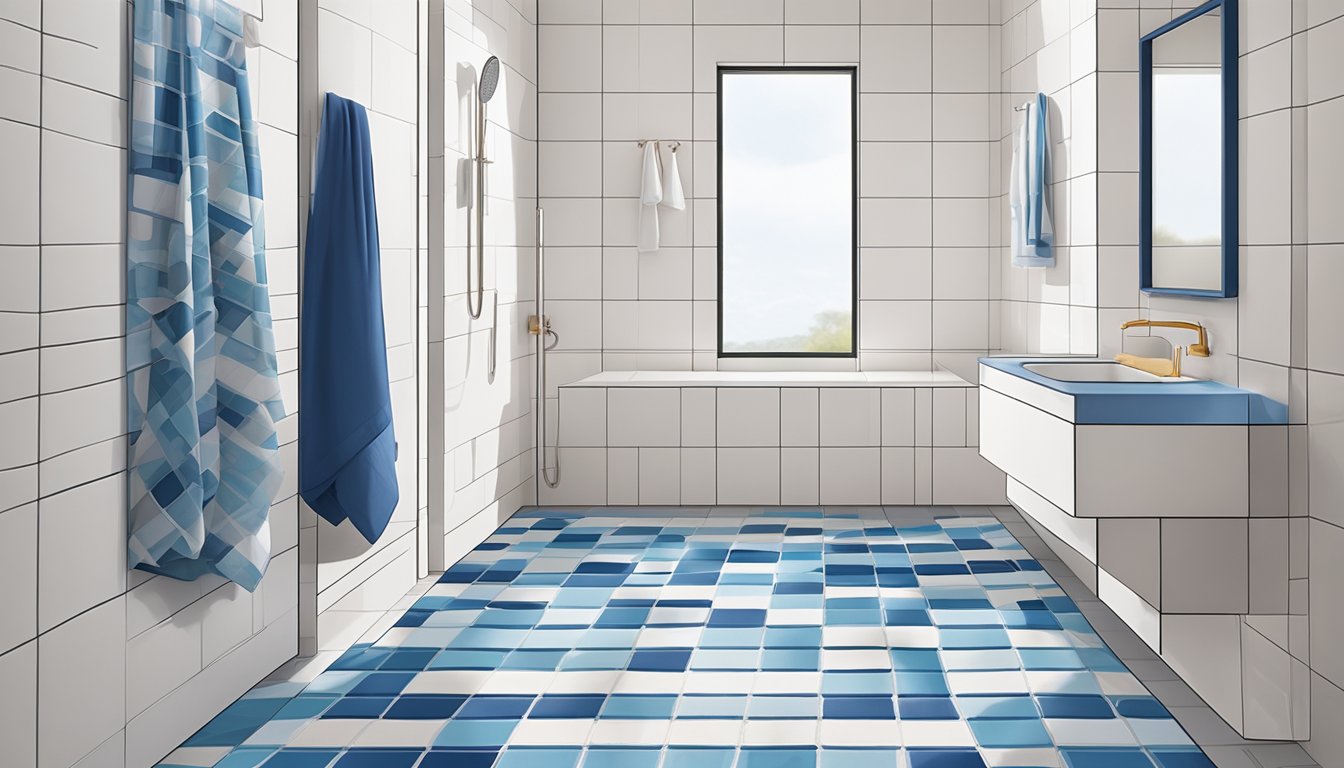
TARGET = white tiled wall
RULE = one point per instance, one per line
(771, 445)
(367, 51)
(1278, 338)
(1052, 47)
(97, 663)
(480, 430)
(618, 72)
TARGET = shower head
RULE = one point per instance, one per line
(489, 79)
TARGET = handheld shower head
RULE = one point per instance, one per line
(489, 79)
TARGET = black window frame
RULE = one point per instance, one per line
(803, 69)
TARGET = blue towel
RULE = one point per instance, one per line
(347, 450)
(1033, 231)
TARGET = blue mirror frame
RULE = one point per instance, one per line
(1231, 183)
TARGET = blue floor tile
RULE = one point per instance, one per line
(592, 640)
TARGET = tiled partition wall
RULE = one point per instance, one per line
(618, 72)
(1281, 337)
(1051, 47)
(792, 445)
(366, 51)
(480, 426)
(101, 666)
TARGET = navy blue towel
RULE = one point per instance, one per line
(347, 450)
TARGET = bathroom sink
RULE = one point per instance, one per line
(1100, 371)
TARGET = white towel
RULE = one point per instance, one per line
(1033, 232)
(650, 195)
(673, 197)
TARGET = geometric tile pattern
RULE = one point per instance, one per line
(727, 638)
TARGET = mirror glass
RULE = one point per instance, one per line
(1185, 166)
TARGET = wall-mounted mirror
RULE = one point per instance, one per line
(1188, 154)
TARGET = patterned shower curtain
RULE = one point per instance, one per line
(203, 397)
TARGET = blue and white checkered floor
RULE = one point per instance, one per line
(755, 638)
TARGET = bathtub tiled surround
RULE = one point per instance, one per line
(692, 637)
(717, 438)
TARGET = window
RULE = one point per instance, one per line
(787, 219)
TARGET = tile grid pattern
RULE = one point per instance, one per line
(747, 636)
(98, 663)
(792, 445)
(925, 234)
(479, 451)
(1051, 47)
(1277, 337)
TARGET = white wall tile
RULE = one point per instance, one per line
(961, 476)
(660, 476)
(18, 571)
(799, 475)
(81, 549)
(1325, 271)
(84, 44)
(748, 476)
(896, 273)
(896, 117)
(896, 59)
(583, 416)
(898, 475)
(821, 44)
(961, 58)
(851, 476)
(81, 276)
(898, 417)
(76, 206)
(159, 660)
(748, 417)
(22, 270)
(18, 715)
(851, 417)
(573, 56)
(895, 325)
(960, 325)
(698, 476)
(898, 169)
(743, 12)
(623, 476)
(949, 417)
(583, 479)
(81, 668)
(1327, 626)
(799, 417)
(1205, 652)
(1200, 574)
(643, 417)
(821, 11)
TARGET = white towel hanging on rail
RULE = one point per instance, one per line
(650, 195)
(673, 196)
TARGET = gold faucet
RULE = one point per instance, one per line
(1158, 366)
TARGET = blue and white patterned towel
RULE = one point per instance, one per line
(202, 391)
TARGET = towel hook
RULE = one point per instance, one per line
(673, 145)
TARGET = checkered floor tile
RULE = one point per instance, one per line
(765, 638)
